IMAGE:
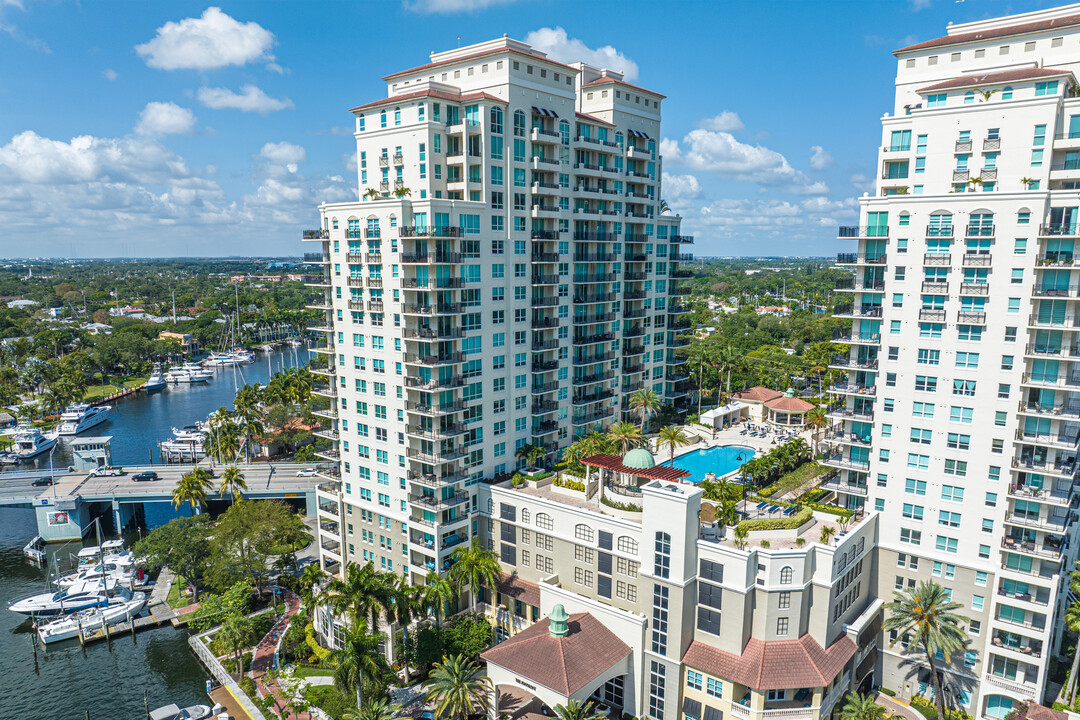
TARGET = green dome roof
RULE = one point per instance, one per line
(640, 459)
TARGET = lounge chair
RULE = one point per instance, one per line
(761, 505)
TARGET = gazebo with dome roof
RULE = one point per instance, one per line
(625, 475)
(788, 409)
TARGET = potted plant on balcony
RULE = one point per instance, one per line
(402, 192)
(371, 193)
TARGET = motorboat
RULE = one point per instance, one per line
(180, 375)
(82, 596)
(35, 549)
(122, 571)
(81, 417)
(198, 370)
(156, 381)
(31, 442)
(233, 357)
(109, 551)
(174, 712)
(186, 443)
(120, 608)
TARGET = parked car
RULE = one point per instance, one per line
(42, 482)
(107, 471)
(306, 472)
(145, 475)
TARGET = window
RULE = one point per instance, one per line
(915, 487)
(781, 629)
(912, 537)
(946, 544)
(913, 512)
(662, 555)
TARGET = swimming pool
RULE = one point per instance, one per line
(720, 460)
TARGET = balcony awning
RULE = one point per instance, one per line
(638, 134)
(544, 112)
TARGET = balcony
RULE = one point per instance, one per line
(542, 257)
(1059, 230)
(593, 417)
(973, 231)
(975, 288)
(540, 279)
(937, 259)
(684, 239)
(435, 480)
(538, 302)
(970, 317)
(544, 428)
(1048, 548)
(935, 288)
(593, 338)
(846, 463)
(963, 146)
(1052, 351)
(545, 366)
(432, 502)
(593, 378)
(549, 323)
(1048, 523)
(945, 231)
(448, 258)
(1043, 495)
(1063, 410)
(448, 382)
(596, 278)
(544, 388)
(440, 309)
(594, 358)
(543, 407)
(853, 389)
(849, 488)
(451, 358)
(1063, 466)
(1055, 259)
(1059, 440)
(1051, 381)
(434, 410)
(975, 260)
(1049, 321)
(856, 231)
(932, 314)
(432, 334)
(858, 339)
(1017, 688)
(316, 235)
(542, 345)
(1066, 291)
(437, 455)
(855, 413)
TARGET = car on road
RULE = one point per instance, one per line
(107, 471)
(42, 482)
(306, 472)
(145, 475)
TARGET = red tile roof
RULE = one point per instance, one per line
(614, 462)
(593, 118)
(786, 404)
(991, 33)
(563, 664)
(757, 394)
(518, 589)
(995, 78)
(606, 80)
(774, 664)
(1040, 712)
(439, 94)
(474, 56)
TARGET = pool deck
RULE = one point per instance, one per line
(729, 436)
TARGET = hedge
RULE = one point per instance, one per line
(541, 476)
(887, 691)
(625, 506)
(924, 707)
(842, 512)
(570, 484)
(788, 523)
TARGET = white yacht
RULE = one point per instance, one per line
(120, 608)
(182, 376)
(31, 442)
(82, 596)
(121, 569)
(156, 381)
(233, 357)
(174, 712)
(198, 370)
(81, 417)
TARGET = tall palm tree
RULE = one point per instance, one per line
(379, 709)
(436, 594)
(644, 403)
(577, 710)
(1072, 624)
(309, 578)
(861, 707)
(192, 489)
(627, 435)
(248, 414)
(525, 452)
(232, 482)
(458, 687)
(474, 566)
(817, 420)
(358, 659)
(237, 634)
(925, 619)
(674, 437)
(363, 594)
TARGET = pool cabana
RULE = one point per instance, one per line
(733, 412)
(626, 475)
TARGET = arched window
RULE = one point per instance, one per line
(382, 119)
(1006, 93)
(627, 545)
(543, 521)
(618, 139)
(524, 515)
(393, 220)
(905, 218)
(940, 225)
(519, 123)
(969, 97)
(496, 120)
(583, 532)
(397, 116)
(360, 123)
(334, 223)
(662, 555)
(785, 575)
(490, 506)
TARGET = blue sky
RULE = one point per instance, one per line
(145, 129)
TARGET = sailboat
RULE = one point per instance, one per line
(120, 608)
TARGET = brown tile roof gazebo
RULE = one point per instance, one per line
(774, 664)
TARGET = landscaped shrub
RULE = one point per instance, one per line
(248, 686)
(331, 700)
(887, 691)
(842, 512)
(788, 523)
(570, 484)
(625, 506)
(925, 707)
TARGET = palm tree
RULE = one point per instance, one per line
(192, 489)
(436, 593)
(1072, 624)
(380, 709)
(358, 659)
(577, 710)
(237, 634)
(861, 707)
(309, 578)
(364, 594)
(527, 453)
(627, 435)
(402, 192)
(816, 419)
(925, 619)
(674, 437)
(644, 402)
(458, 687)
(232, 482)
(474, 566)
(371, 193)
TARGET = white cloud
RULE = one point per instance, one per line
(249, 99)
(862, 182)
(726, 121)
(283, 152)
(720, 152)
(213, 40)
(670, 151)
(679, 190)
(109, 74)
(165, 118)
(349, 161)
(450, 6)
(560, 47)
(918, 5)
(820, 158)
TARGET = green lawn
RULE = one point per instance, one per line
(798, 477)
(175, 600)
(96, 392)
(304, 671)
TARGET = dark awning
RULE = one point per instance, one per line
(544, 112)
(712, 713)
(691, 707)
(637, 134)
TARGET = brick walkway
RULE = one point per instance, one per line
(263, 658)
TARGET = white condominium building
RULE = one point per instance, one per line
(506, 279)
(960, 415)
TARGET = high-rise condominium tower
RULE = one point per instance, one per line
(960, 415)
